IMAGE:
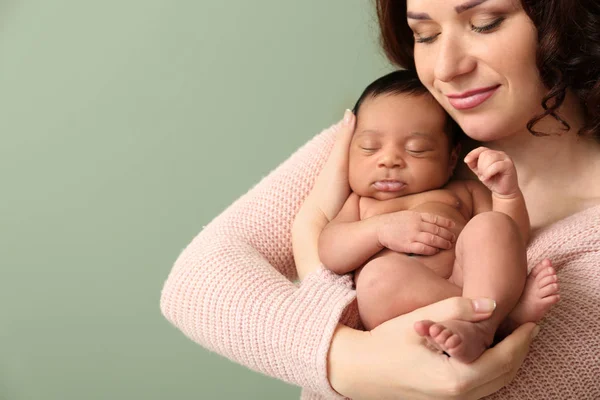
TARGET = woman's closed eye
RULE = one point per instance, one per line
(487, 27)
(425, 39)
(475, 27)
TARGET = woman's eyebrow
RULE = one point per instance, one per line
(468, 5)
(420, 16)
(459, 9)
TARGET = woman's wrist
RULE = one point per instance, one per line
(343, 361)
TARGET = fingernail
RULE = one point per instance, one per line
(347, 116)
(535, 331)
(484, 305)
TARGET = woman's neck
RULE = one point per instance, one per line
(558, 173)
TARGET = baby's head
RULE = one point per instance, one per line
(404, 141)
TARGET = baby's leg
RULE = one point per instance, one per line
(541, 292)
(392, 284)
(490, 262)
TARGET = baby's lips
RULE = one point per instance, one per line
(389, 186)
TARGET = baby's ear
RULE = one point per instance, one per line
(454, 158)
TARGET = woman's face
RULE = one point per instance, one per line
(478, 59)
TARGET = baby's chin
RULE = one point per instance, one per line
(388, 196)
(379, 195)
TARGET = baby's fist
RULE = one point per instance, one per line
(495, 169)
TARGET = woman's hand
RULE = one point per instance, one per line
(415, 232)
(393, 362)
(330, 191)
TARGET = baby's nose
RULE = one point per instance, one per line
(391, 160)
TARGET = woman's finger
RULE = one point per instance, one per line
(331, 187)
(343, 136)
(459, 308)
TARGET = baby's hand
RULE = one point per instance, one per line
(495, 169)
(415, 232)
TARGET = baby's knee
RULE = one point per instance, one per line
(375, 278)
(491, 224)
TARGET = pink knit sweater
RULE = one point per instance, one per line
(231, 291)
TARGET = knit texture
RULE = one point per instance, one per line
(563, 362)
(231, 288)
(231, 291)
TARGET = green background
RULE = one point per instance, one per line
(126, 126)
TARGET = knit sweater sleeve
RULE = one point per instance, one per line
(231, 288)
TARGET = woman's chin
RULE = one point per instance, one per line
(485, 131)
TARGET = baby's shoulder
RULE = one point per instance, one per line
(458, 187)
(464, 189)
(465, 186)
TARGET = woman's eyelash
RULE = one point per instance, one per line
(489, 27)
(427, 39)
(478, 29)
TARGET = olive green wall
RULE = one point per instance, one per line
(126, 126)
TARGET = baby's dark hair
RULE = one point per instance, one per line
(406, 82)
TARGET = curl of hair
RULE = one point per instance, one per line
(568, 54)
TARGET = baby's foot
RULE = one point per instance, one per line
(462, 340)
(540, 293)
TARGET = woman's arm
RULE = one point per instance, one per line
(230, 290)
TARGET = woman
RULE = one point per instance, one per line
(231, 289)
(525, 79)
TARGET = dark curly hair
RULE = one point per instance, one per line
(568, 54)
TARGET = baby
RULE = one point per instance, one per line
(441, 237)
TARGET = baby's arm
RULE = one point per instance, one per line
(346, 243)
(496, 170)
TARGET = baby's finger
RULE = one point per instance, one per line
(438, 220)
(496, 168)
(429, 239)
(489, 157)
(422, 249)
(474, 154)
(438, 231)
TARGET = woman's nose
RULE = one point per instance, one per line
(453, 58)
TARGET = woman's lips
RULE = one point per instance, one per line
(472, 98)
(389, 186)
